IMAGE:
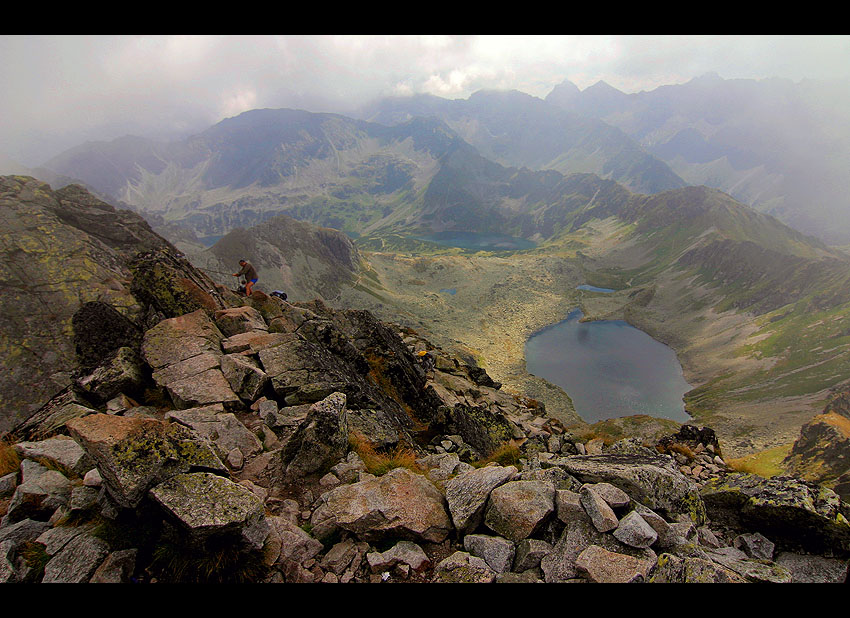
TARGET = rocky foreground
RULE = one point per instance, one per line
(254, 440)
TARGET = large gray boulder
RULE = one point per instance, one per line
(61, 450)
(219, 427)
(498, 552)
(399, 505)
(77, 561)
(236, 320)
(320, 441)
(467, 494)
(605, 567)
(518, 509)
(185, 353)
(40, 493)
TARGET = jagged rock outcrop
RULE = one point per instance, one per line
(793, 513)
(822, 452)
(60, 250)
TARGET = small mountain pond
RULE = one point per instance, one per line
(609, 369)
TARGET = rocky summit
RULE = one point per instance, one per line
(205, 436)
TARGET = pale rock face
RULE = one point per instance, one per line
(606, 567)
(601, 514)
(399, 504)
(467, 494)
(518, 508)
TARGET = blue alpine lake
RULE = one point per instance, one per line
(479, 242)
(593, 288)
(609, 369)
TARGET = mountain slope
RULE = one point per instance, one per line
(518, 130)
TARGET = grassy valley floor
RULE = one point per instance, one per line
(485, 305)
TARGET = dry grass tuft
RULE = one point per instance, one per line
(677, 447)
(9, 459)
(379, 463)
(506, 455)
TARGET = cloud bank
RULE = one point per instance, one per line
(62, 90)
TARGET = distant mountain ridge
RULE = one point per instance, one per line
(518, 130)
(779, 146)
(345, 173)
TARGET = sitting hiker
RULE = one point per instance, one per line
(250, 275)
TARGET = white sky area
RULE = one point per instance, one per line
(59, 91)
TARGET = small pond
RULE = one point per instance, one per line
(593, 288)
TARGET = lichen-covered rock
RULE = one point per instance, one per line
(319, 442)
(671, 569)
(399, 505)
(791, 512)
(206, 504)
(654, 481)
(517, 509)
(463, 568)
(756, 571)
(467, 494)
(58, 251)
(220, 428)
(133, 454)
(173, 287)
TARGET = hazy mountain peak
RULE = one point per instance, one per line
(602, 87)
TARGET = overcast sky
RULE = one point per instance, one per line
(59, 91)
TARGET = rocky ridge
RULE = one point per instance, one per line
(282, 442)
(202, 436)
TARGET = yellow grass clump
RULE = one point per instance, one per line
(379, 463)
(765, 464)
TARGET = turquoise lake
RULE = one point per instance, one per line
(609, 369)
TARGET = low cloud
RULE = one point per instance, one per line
(62, 90)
